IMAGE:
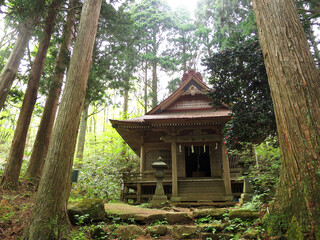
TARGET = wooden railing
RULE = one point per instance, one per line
(234, 161)
(134, 177)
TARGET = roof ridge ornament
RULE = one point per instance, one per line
(191, 73)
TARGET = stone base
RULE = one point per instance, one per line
(175, 199)
(245, 197)
(159, 201)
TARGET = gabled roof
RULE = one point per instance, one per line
(191, 84)
(189, 101)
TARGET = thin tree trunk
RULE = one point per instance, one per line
(9, 71)
(49, 218)
(14, 162)
(82, 133)
(126, 100)
(154, 84)
(105, 119)
(40, 147)
(146, 88)
(184, 59)
(294, 83)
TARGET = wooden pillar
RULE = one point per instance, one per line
(174, 167)
(138, 193)
(226, 170)
(125, 192)
(214, 158)
(142, 168)
(142, 156)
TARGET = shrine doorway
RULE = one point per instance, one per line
(197, 160)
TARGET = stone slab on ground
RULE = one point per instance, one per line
(216, 213)
(184, 232)
(204, 204)
(129, 232)
(244, 214)
(87, 209)
(160, 230)
(208, 227)
(145, 215)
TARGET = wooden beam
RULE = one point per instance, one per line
(193, 138)
(174, 167)
(226, 169)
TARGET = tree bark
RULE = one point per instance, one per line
(49, 217)
(184, 59)
(41, 144)
(10, 69)
(126, 99)
(294, 83)
(146, 88)
(82, 132)
(154, 84)
(14, 162)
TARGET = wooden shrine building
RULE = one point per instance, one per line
(186, 131)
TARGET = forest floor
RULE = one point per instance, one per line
(15, 209)
(16, 206)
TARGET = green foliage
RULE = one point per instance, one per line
(182, 47)
(104, 158)
(5, 135)
(159, 222)
(295, 231)
(206, 219)
(237, 225)
(20, 10)
(6, 212)
(275, 225)
(240, 81)
(265, 174)
(254, 204)
(219, 19)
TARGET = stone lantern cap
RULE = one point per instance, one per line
(159, 164)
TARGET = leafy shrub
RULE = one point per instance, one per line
(263, 170)
(105, 158)
(265, 174)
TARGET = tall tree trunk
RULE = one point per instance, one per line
(126, 99)
(184, 58)
(10, 69)
(154, 84)
(294, 83)
(146, 88)
(82, 132)
(14, 162)
(40, 147)
(49, 217)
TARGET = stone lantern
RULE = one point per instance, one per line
(159, 197)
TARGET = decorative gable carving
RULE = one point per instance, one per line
(186, 103)
(192, 90)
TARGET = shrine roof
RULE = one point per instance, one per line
(189, 102)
